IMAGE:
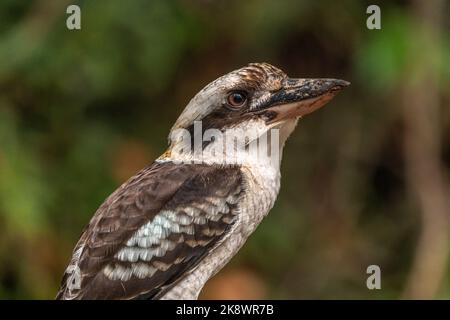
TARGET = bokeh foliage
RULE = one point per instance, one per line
(81, 111)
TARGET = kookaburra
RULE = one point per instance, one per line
(176, 223)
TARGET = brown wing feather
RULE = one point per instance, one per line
(199, 199)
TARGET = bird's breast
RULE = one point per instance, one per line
(261, 185)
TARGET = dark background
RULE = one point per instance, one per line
(365, 179)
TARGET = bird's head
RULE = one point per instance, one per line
(250, 101)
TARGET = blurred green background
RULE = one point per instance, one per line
(365, 179)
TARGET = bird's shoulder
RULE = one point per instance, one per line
(152, 230)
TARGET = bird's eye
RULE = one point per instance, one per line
(237, 99)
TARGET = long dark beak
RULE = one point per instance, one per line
(299, 97)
